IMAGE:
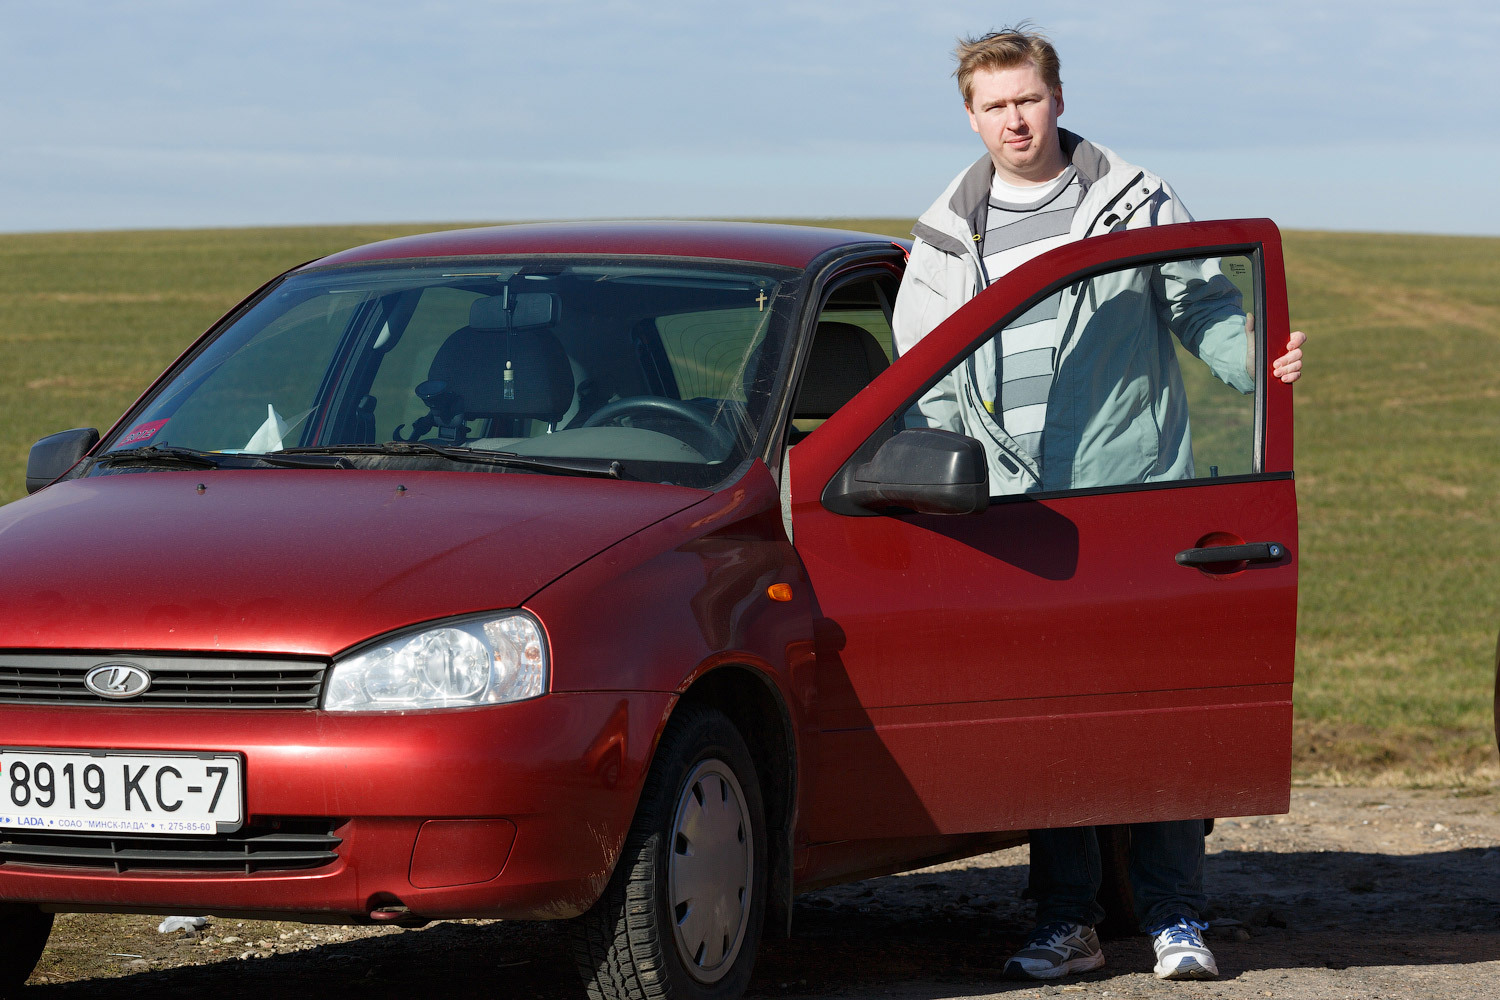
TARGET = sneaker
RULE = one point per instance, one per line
(1181, 953)
(1054, 950)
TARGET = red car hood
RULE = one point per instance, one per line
(294, 561)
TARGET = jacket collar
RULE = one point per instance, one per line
(971, 197)
(1088, 159)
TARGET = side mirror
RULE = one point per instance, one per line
(57, 453)
(926, 470)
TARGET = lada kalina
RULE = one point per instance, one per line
(616, 573)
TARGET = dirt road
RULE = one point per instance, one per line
(1363, 893)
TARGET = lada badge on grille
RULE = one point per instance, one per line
(117, 680)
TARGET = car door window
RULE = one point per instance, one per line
(1130, 375)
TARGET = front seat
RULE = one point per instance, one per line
(844, 359)
(506, 366)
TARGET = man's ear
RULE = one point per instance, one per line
(1057, 97)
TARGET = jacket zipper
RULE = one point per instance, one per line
(970, 390)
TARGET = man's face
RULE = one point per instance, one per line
(1016, 115)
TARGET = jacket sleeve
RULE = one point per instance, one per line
(1203, 307)
(1205, 312)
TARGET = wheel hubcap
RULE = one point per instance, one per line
(711, 856)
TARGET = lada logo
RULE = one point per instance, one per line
(117, 680)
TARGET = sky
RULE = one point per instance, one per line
(1346, 115)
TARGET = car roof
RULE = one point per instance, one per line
(791, 246)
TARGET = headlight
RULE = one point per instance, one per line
(484, 662)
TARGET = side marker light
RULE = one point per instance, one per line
(779, 591)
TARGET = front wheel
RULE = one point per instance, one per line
(681, 916)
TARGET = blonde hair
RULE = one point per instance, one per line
(1006, 49)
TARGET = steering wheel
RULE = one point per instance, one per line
(675, 417)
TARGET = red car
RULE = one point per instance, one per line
(614, 573)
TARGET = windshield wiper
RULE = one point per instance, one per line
(604, 468)
(152, 454)
(192, 458)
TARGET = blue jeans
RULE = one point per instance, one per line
(1166, 872)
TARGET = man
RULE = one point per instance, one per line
(1038, 188)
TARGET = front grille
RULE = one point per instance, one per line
(271, 845)
(176, 681)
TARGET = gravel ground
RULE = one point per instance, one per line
(1358, 893)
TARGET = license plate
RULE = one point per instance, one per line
(88, 791)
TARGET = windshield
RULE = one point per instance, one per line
(654, 370)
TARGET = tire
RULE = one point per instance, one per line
(23, 935)
(681, 916)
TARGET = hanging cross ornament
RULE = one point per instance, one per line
(761, 300)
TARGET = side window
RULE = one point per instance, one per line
(1135, 375)
(1223, 416)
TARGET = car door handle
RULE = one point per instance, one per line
(1249, 552)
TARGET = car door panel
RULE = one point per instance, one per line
(1048, 662)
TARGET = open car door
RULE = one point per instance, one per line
(1074, 652)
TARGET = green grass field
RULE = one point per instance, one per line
(1398, 449)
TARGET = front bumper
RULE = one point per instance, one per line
(514, 811)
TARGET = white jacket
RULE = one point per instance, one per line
(1117, 412)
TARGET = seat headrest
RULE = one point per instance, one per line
(844, 359)
(473, 364)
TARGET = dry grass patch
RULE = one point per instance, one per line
(1339, 752)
